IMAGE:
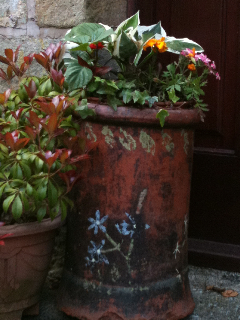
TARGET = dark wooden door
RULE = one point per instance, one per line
(214, 228)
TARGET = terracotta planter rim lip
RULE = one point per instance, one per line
(145, 116)
(31, 227)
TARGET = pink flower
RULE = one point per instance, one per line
(213, 66)
(203, 58)
(188, 53)
(217, 76)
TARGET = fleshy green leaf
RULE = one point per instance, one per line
(45, 88)
(17, 208)
(161, 115)
(140, 97)
(52, 194)
(83, 110)
(77, 76)
(7, 202)
(41, 213)
(172, 96)
(113, 102)
(29, 189)
(152, 100)
(41, 193)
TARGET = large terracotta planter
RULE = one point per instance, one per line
(127, 239)
(24, 264)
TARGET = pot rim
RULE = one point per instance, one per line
(31, 227)
(144, 116)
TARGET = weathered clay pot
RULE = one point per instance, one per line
(24, 264)
(132, 264)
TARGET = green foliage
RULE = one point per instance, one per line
(115, 72)
(38, 161)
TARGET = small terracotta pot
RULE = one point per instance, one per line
(24, 264)
(127, 240)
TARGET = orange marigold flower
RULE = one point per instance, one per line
(150, 43)
(161, 45)
(191, 67)
(191, 53)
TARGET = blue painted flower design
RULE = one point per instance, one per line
(97, 223)
(128, 229)
(96, 255)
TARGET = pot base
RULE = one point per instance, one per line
(17, 314)
(168, 299)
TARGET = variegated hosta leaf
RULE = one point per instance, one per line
(177, 45)
(124, 47)
(146, 33)
(133, 22)
(88, 32)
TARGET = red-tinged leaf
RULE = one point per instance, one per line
(52, 123)
(30, 132)
(2, 98)
(9, 72)
(17, 114)
(100, 71)
(65, 155)
(3, 75)
(70, 142)
(17, 71)
(33, 119)
(9, 54)
(42, 157)
(58, 132)
(23, 67)
(83, 63)
(4, 60)
(58, 77)
(43, 60)
(7, 94)
(70, 177)
(15, 55)
(9, 140)
(79, 158)
(58, 51)
(50, 157)
(48, 108)
(28, 59)
(21, 143)
(31, 89)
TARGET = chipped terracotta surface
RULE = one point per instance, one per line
(136, 179)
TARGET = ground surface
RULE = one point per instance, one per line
(209, 305)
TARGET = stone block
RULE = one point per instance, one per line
(69, 13)
(59, 14)
(13, 13)
(109, 12)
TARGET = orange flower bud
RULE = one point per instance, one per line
(191, 67)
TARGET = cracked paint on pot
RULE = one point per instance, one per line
(147, 142)
(186, 141)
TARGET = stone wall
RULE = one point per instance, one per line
(34, 24)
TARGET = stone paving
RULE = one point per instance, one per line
(209, 305)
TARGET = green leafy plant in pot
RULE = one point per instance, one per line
(41, 155)
(127, 247)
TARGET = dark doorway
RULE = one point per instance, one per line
(214, 229)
